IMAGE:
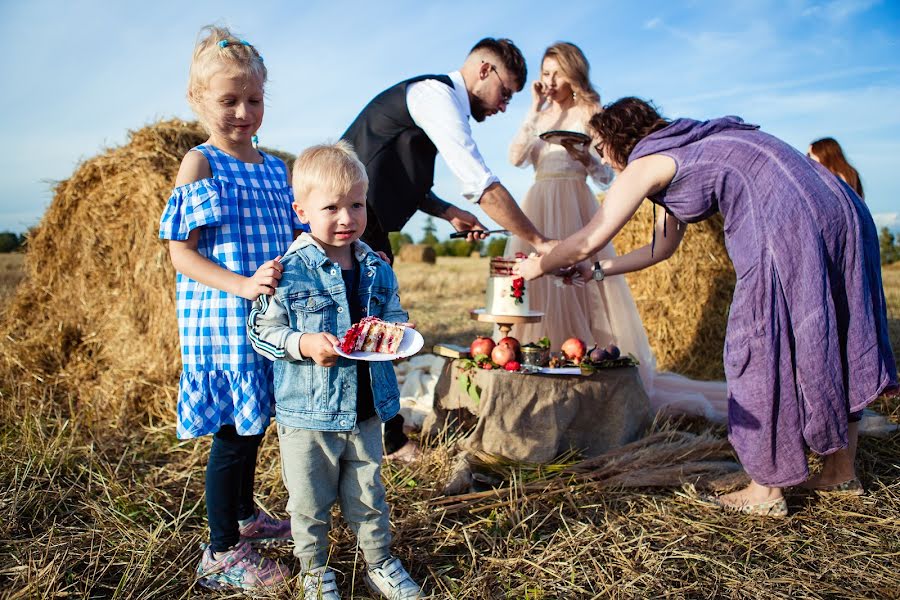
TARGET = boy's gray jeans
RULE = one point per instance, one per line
(321, 467)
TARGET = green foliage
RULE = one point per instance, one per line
(890, 250)
(398, 240)
(459, 248)
(10, 242)
(430, 239)
(496, 246)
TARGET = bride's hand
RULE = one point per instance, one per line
(538, 96)
(530, 268)
(578, 151)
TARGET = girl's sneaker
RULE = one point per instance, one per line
(320, 584)
(265, 531)
(240, 568)
(391, 581)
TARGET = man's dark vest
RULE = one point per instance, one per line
(398, 155)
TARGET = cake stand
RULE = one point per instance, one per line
(505, 322)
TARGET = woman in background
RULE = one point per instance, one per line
(829, 154)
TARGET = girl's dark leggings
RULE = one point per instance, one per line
(229, 485)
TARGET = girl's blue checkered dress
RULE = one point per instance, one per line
(245, 218)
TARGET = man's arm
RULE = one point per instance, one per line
(499, 205)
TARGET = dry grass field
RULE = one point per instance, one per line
(10, 273)
(117, 511)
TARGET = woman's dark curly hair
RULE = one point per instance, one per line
(623, 123)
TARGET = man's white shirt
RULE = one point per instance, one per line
(443, 114)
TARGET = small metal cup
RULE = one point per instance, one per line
(534, 357)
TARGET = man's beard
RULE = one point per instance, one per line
(479, 113)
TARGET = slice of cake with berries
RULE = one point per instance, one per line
(373, 335)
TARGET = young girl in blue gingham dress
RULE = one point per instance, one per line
(228, 221)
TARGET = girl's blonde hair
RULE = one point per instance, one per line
(576, 68)
(218, 47)
(331, 167)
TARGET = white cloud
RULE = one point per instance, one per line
(838, 11)
(891, 220)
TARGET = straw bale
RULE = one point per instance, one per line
(683, 301)
(95, 312)
(418, 253)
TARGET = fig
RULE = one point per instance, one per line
(613, 351)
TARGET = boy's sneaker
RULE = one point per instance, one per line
(391, 581)
(320, 584)
(240, 568)
(266, 531)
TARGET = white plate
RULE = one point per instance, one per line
(559, 136)
(531, 313)
(411, 343)
(560, 371)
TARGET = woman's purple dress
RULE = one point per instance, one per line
(807, 339)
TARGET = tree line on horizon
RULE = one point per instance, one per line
(889, 243)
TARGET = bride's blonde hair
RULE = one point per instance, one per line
(576, 68)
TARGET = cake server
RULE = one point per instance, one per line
(465, 232)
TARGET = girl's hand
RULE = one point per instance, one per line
(538, 96)
(530, 268)
(578, 151)
(320, 348)
(264, 281)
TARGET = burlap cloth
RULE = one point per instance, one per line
(535, 418)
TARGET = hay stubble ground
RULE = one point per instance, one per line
(88, 512)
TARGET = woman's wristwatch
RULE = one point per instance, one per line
(597, 272)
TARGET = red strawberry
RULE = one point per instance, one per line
(487, 365)
(512, 366)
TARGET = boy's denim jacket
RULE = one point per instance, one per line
(312, 298)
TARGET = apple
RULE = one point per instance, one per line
(574, 349)
(502, 354)
(513, 342)
(481, 345)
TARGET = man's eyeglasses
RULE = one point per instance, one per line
(505, 92)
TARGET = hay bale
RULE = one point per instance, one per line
(683, 301)
(418, 253)
(94, 317)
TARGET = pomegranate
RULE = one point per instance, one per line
(513, 342)
(481, 345)
(574, 349)
(502, 354)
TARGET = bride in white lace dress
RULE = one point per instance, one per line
(559, 204)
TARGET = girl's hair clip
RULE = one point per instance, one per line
(225, 44)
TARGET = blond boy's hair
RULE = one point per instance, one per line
(218, 48)
(333, 167)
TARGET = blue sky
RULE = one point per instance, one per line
(78, 75)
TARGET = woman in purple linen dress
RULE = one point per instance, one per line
(807, 345)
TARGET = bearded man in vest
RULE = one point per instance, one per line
(398, 136)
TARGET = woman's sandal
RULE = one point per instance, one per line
(772, 508)
(851, 487)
